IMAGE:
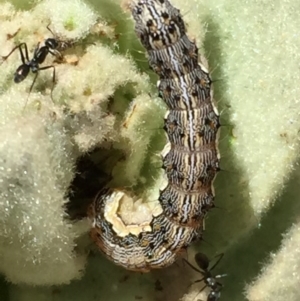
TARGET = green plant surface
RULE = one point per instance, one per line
(105, 98)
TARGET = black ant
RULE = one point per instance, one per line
(51, 45)
(209, 280)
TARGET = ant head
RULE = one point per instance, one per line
(51, 43)
(202, 261)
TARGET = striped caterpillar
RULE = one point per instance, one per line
(190, 159)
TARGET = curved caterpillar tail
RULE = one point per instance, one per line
(190, 159)
(148, 246)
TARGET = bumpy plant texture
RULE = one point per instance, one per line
(104, 100)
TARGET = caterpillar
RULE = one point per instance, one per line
(190, 158)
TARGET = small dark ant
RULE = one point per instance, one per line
(209, 280)
(51, 45)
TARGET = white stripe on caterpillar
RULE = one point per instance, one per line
(190, 159)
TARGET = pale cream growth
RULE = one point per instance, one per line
(102, 28)
(280, 278)
(11, 25)
(34, 235)
(38, 163)
(97, 75)
(137, 212)
(161, 182)
(7, 10)
(80, 87)
(37, 149)
(88, 86)
(74, 19)
(142, 121)
(129, 215)
(36, 170)
(95, 128)
(72, 22)
(16, 29)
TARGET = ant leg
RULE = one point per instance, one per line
(50, 29)
(53, 78)
(36, 50)
(220, 257)
(199, 280)
(203, 288)
(36, 75)
(21, 52)
(53, 83)
(195, 269)
(26, 53)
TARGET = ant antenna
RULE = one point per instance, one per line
(48, 27)
(209, 280)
